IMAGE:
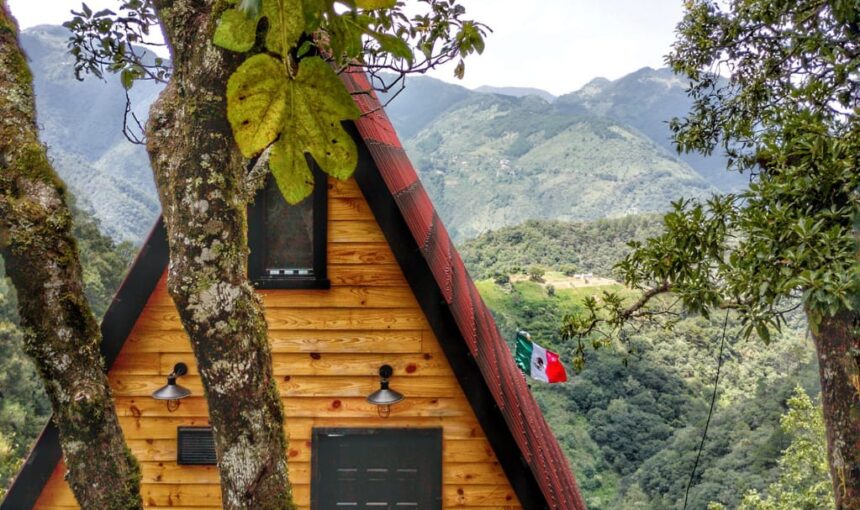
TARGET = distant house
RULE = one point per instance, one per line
(370, 279)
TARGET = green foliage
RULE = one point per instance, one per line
(630, 422)
(787, 59)
(501, 278)
(568, 269)
(24, 407)
(298, 107)
(591, 247)
(536, 273)
(631, 429)
(804, 477)
(788, 114)
(373, 34)
(102, 41)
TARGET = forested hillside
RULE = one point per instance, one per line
(631, 422)
(583, 247)
(495, 160)
(81, 123)
(24, 407)
(646, 100)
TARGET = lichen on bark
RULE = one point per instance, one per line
(60, 330)
(199, 174)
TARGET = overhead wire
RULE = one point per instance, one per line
(710, 411)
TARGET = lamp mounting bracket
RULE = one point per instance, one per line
(385, 371)
(180, 369)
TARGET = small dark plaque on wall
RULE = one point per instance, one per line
(196, 446)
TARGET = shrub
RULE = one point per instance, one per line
(536, 273)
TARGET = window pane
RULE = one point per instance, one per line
(288, 233)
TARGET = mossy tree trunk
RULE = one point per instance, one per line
(837, 341)
(199, 174)
(60, 331)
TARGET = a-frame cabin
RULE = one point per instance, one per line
(378, 282)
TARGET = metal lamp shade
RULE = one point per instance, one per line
(171, 391)
(384, 396)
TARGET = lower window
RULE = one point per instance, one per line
(377, 469)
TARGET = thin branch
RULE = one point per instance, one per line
(128, 117)
(645, 298)
(255, 178)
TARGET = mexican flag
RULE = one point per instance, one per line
(537, 362)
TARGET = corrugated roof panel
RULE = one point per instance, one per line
(462, 306)
(393, 164)
(417, 210)
(438, 252)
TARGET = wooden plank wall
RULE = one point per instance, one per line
(327, 348)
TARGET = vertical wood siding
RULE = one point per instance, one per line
(327, 348)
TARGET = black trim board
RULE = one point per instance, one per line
(134, 292)
(116, 325)
(430, 298)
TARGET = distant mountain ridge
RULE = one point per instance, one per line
(489, 159)
(517, 92)
(647, 100)
(493, 161)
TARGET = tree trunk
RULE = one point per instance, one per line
(837, 340)
(199, 174)
(61, 333)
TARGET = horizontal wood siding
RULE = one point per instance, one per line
(327, 348)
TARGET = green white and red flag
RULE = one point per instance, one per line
(537, 362)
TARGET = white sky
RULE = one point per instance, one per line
(556, 45)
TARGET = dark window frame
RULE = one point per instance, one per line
(434, 434)
(257, 242)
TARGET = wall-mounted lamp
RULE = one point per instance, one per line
(384, 397)
(172, 392)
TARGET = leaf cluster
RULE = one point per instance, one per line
(782, 57)
(109, 41)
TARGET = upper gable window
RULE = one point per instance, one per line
(288, 242)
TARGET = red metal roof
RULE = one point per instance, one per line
(534, 438)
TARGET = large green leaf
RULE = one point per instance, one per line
(317, 103)
(291, 171)
(257, 103)
(313, 11)
(236, 31)
(286, 24)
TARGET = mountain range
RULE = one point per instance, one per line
(490, 157)
(81, 123)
